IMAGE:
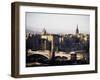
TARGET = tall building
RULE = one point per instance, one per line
(44, 31)
(77, 30)
(46, 40)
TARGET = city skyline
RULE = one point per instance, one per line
(57, 23)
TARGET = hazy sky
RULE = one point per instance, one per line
(57, 23)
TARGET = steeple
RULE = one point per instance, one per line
(77, 30)
(44, 31)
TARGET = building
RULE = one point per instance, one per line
(77, 30)
(44, 31)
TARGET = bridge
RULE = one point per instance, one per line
(45, 53)
(80, 54)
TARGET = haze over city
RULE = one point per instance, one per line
(57, 23)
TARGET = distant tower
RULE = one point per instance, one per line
(77, 30)
(44, 31)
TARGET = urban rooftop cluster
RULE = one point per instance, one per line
(61, 46)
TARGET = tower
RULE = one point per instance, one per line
(77, 30)
(44, 31)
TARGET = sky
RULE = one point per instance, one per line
(57, 23)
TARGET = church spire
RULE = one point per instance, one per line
(77, 30)
(44, 31)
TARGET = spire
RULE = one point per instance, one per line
(77, 30)
(44, 31)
